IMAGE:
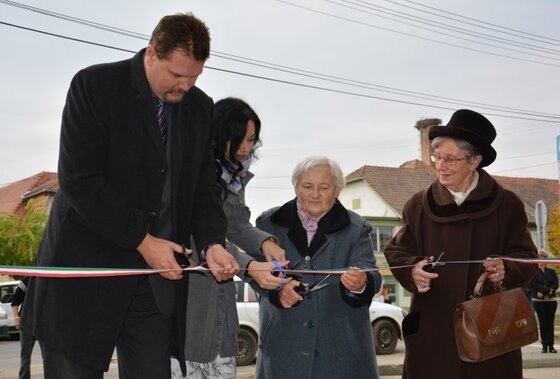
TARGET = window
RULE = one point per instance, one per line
(381, 235)
(356, 203)
(6, 292)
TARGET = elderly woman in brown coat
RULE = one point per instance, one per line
(469, 216)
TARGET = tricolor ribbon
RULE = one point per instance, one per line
(81, 272)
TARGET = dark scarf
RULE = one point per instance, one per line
(335, 219)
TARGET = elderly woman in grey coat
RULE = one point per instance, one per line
(326, 333)
(212, 323)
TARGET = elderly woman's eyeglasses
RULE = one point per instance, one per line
(450, 161)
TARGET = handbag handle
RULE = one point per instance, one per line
(480, 282)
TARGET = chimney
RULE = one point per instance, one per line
(424, 126)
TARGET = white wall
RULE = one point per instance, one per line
(372, 205)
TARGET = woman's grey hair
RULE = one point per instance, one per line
(470, 150)
(308, 163)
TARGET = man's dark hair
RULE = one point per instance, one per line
(181, 31)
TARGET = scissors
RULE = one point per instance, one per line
(184, 259)
(304, 288)
(280, 272)
(432, 264)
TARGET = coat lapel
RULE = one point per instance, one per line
(145, 103)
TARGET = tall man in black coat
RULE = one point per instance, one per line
(129, 197)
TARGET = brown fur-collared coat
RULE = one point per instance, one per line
(490, 222)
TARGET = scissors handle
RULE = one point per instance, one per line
(280, 271)
(432, 264)
(183, 258)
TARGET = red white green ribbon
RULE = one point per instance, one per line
(81, 272)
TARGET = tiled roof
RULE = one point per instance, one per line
(397, 184)
(531, 190)
(14, 196)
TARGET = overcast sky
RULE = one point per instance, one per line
(384, 65)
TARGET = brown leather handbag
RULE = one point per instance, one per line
(492, 325)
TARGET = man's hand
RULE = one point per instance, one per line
(261, 272)
(159, 254)
(223, 264)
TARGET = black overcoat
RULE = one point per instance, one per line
(112, 170)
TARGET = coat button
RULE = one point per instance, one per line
(309, 324)
(305, 353)
(307, 258)
(152, 214)
(162, 170)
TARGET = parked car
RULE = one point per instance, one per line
(3, 322)
(386, 321)
(7, 290)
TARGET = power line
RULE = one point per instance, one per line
(296, 71)
(72, 19)
(419, 37)
(381, 88)
(282, 81)
(66, 37)
(540, 38)
(526, 167)
(439, 25)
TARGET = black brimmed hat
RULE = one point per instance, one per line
(471, 127)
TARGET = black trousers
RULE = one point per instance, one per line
(27, 341)
(546, 311)
(143, 346)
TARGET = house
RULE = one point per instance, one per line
(41, 188)
(37, 191)
(380, 193)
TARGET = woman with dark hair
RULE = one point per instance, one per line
(211, 307)
(469, 216)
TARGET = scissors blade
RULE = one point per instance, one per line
(437, 262)
(320, 284)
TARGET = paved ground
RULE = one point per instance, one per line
(536, 365)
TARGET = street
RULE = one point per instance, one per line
(539, 366)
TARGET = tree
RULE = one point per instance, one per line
(553, 233)
(20, 236)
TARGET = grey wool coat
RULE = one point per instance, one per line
(112, 171)
(328, 334)
(490, 222)
(212, 323)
